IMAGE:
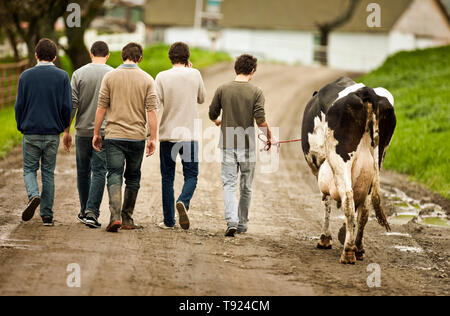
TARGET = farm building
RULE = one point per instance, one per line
(286, 30)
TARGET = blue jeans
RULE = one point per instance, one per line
(40, 149)
(120, 153)
(91, 172)
(233, 161)
(189, 157)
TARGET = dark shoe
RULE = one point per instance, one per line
(114, 227)
(230, 232)
(81, 218)
(92, 222)
(48, 221)
(28, 213)
(183, 217)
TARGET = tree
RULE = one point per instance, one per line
(76, 48)
(325, 28)
(33, 19)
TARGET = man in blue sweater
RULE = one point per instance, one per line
(43, 109)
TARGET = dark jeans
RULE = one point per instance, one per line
(189, 157)
(120, 153)
(40, 149)
(91, 171)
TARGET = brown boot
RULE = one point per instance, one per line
(129, 203)
(115, 200)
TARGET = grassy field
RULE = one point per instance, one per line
(155, 60)
(420, 83)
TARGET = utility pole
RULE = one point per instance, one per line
(198, 14)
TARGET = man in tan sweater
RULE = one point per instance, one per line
(128, 99)
(179, 89)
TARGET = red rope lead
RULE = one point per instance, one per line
(264, 139)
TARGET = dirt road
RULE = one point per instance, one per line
(278, 256)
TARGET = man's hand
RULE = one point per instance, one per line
(97, 142)
(189, 65)
(67, 141)
(218, 122)
(151, 148)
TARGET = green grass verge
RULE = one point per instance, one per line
(9, 135)
(420, 83)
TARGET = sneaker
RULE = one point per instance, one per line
(48, 221)
(92, 222)
(81, 218)
(182, 212)
(230, 232)
(163, 226)
(114, 227)
(28, 213)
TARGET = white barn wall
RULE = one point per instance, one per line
(357, 51)
(286, 46)
(399, 41)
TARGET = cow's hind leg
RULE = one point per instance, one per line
(348, 255)
(363, 217)
(325, 241)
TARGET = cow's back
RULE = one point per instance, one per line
(314, 116)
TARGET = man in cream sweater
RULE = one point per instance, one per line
(179, 91)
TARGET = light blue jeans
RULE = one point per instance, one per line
(233, 162)
(40, 149)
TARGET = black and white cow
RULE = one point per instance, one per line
(347, 128)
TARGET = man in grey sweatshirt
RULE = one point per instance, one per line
(91, 165)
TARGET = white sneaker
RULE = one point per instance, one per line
(163, 226)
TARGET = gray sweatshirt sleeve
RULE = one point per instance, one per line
(75, 94)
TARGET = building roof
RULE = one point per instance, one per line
(280, 14)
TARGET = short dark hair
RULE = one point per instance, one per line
(245, 64)
(46, 50)
(100, 49)
(133, 52)
(179, 53)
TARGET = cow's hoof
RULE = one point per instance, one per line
(348, 256)
(342, 234)
(360, 254)
(325, 242)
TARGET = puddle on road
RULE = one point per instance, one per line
(409, 249)
(408, 209)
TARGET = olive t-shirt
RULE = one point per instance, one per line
(241, 104)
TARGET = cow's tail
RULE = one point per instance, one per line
(379, 210)
(376, 196)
